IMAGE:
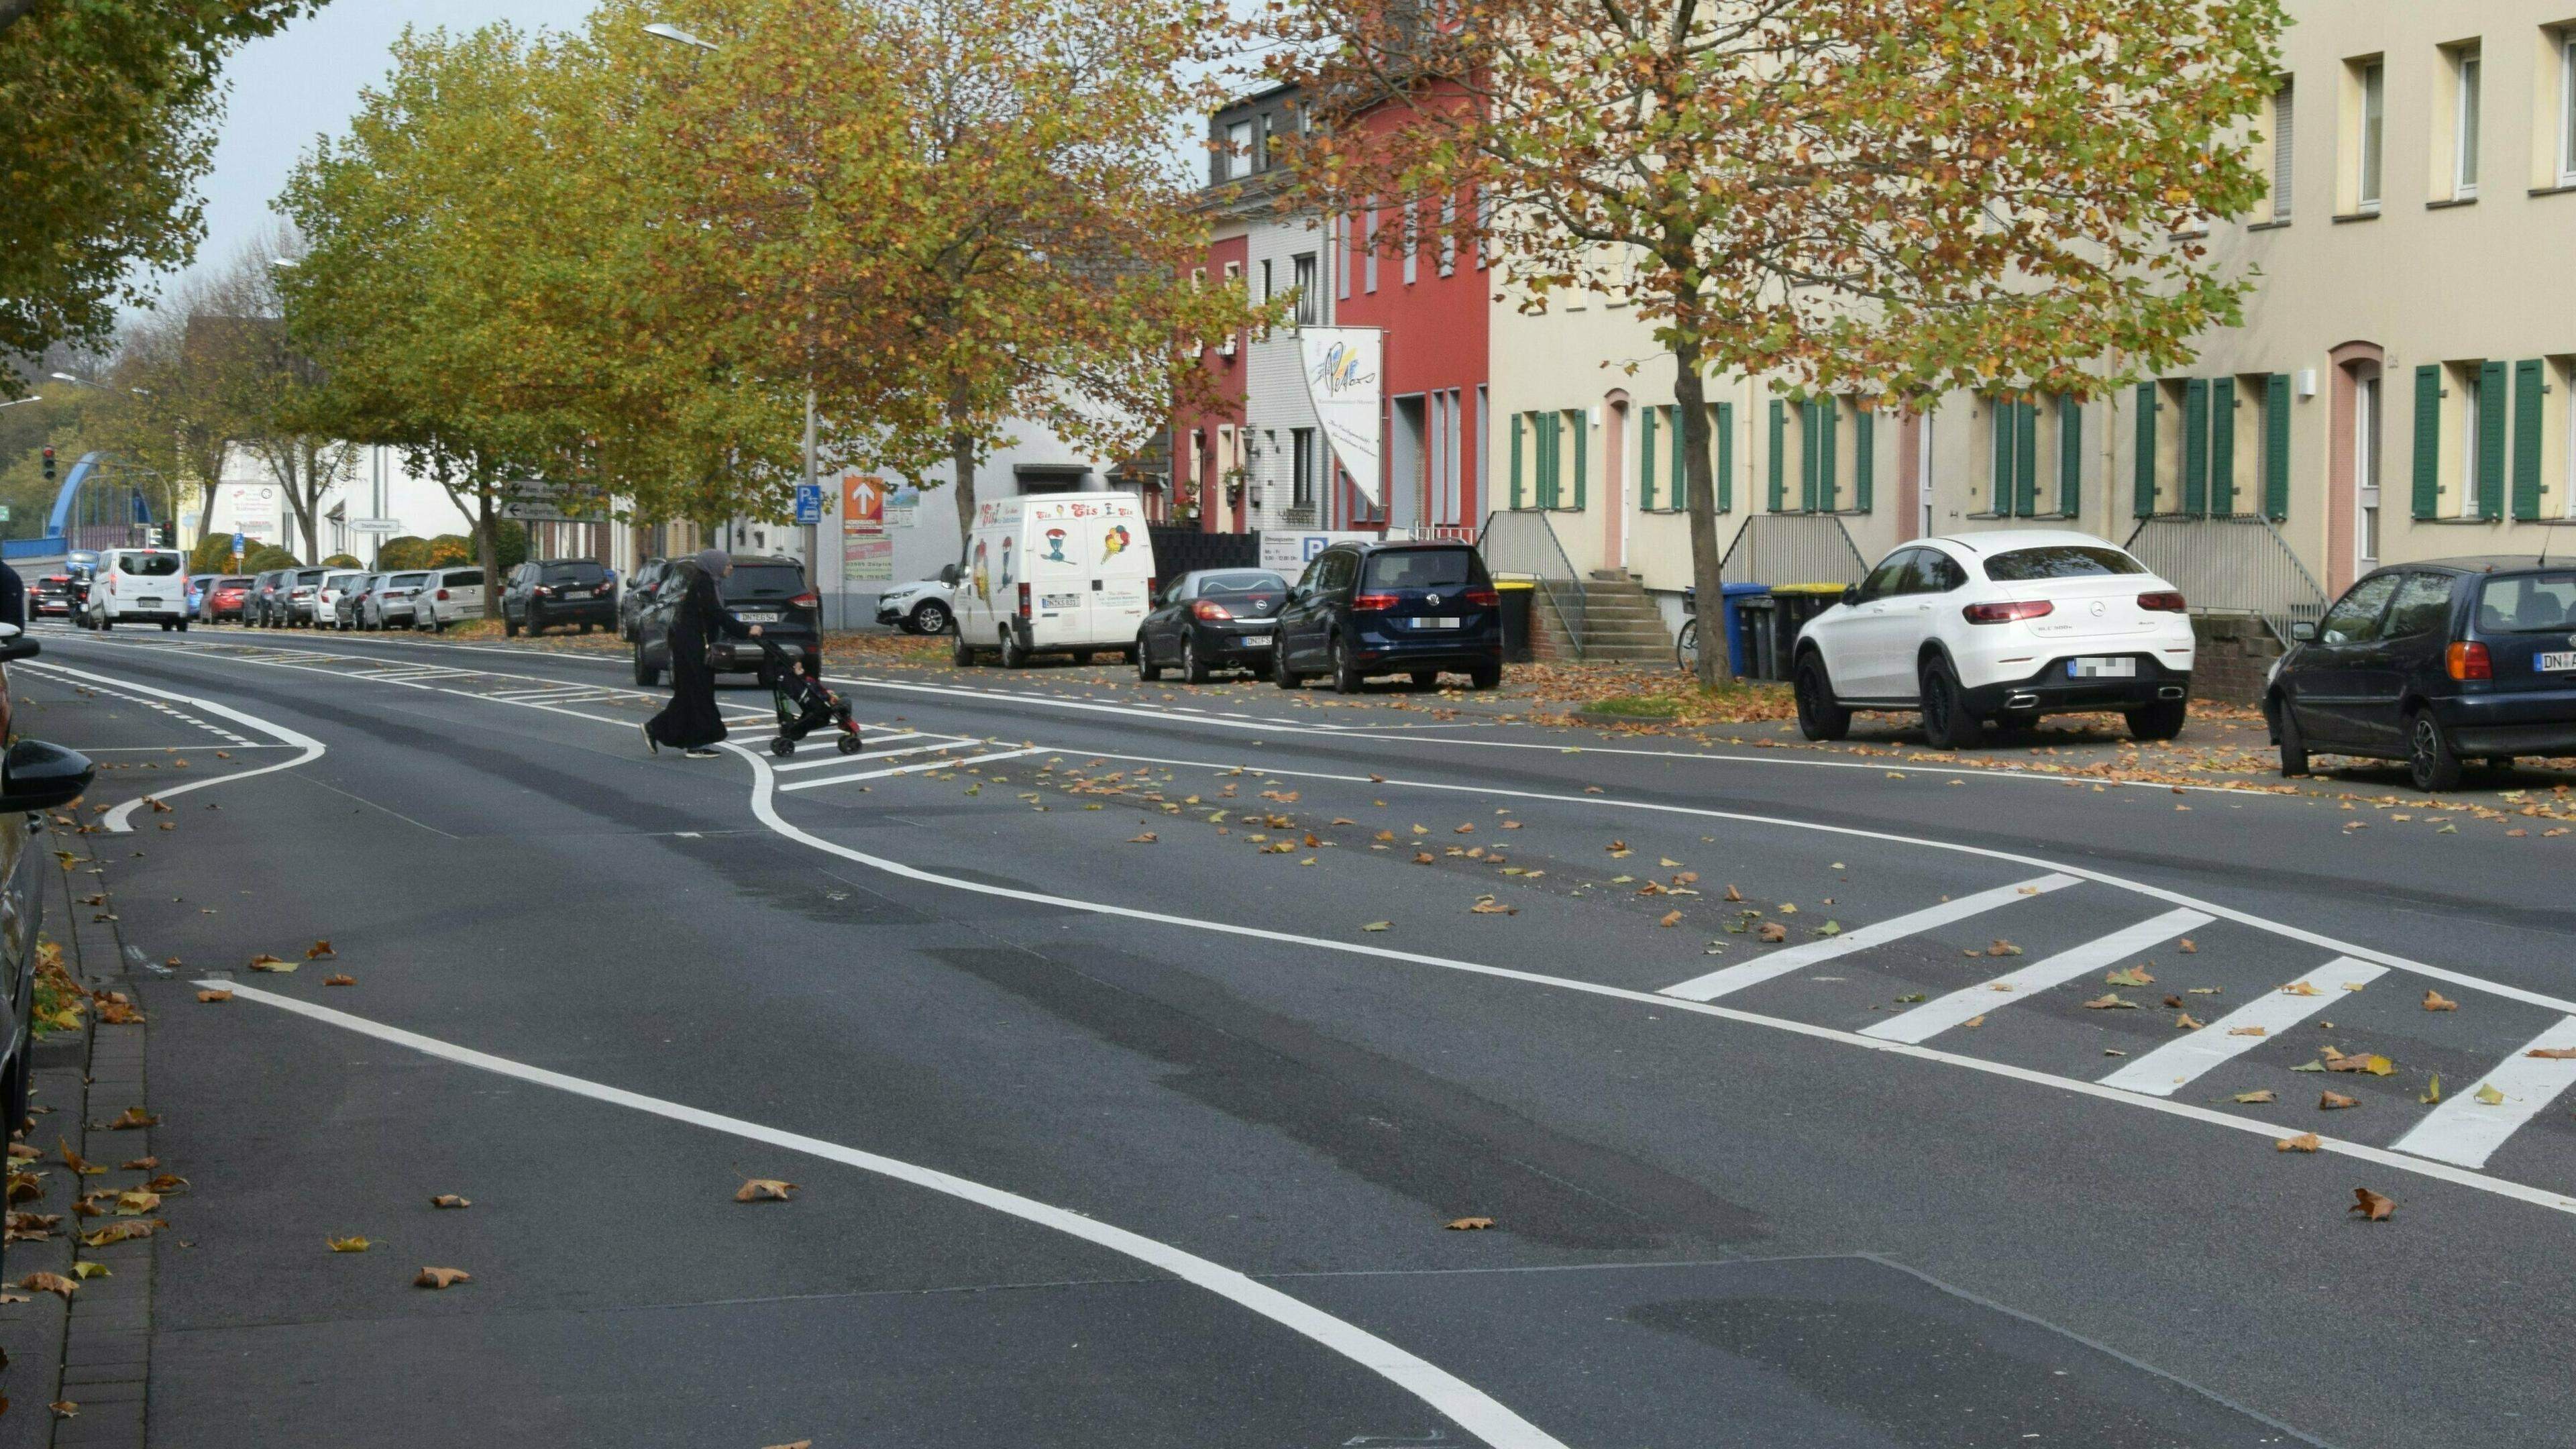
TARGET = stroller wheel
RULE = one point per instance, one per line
(782, 747)
(849, 744)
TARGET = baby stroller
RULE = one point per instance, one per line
(804, 705)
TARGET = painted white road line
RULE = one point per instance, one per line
(1942, 1013)
(959, 763)
(882, 755)
(1461, 1402)
(2467, 1129)
(1728, 980)
(2186, 1058)
(121, 819)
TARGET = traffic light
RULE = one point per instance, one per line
(49, 465)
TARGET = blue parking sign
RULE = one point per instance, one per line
(239, 542)
(809, 503)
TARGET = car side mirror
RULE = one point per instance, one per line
(14, 644)
(948, 575)
(39, 776)
(1851, 593)
(2303, 633)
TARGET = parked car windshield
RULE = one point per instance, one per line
(764, 581)
(2059, 561)
(2528, 604)
(579, 571)
(1420, 568)
(1248, 584)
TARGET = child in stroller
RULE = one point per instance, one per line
(803, 704)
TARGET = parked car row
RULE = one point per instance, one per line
(326, 598)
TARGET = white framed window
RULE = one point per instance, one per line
(2284, 129)
(1301, 475)
(2464, 123)
(1411, 241)
(1368, 247)
(2567, 107)
(2473, 405)
(2374, 129)
(1310, 299)
(1238, 150)
(1448, 233)
(2365, 470)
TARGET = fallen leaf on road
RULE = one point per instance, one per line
(132, 1118)
(2432, 1091)
(2187, 1022)
(349, 1245)
(441, 1278)
(2248, 1031)
(318, 950)
(1469, 1225)
(119, 1232)
(2110, 1001)
(450, 1200)
(2129, 976)
(1732, 893)
(2263, 1094)
(2333, 1100)
(2304, 1142)
(1974, 1021)
(2372, 1206)
(1379, 926)
(1147, 838)
(764, 1189)
(338, 979)
(799, 1444)
(265, 962)
(2436, 1001)
(54, 1283)
(1670, 918)
(136, 1203)
(2003, 948)
(2556, 1054)
(2187, 947)
(210, 997)
(2298, 988)
(2488, 1094)
(1423, 857)
(1773, 932)
(75, 1161)
(1488, 906)
(64, 1408)
(1916, 996)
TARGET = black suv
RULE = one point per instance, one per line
(2431, 663)
(770, 592)
(1364, 609)
(543, 593)
(639, 589)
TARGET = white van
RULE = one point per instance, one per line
(140, 585)
(445, 596)
(1052, 573)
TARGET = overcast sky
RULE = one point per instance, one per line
(303, 82)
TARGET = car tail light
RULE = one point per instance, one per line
(2005, 613)
(1374, 603)
(1210, 610)
(542, 592)
(1152, 584)
(807, 600)
(1024, 601)
(442, 594)
(1484, 598)
(2163, 601)
(2470, 661)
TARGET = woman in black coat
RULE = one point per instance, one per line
(691, 723)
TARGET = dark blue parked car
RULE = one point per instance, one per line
(1366, 609)
(2433, 663)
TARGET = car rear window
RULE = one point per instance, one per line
(1241, 585)
(151, 565)
(2528, 604)
(463, 579)
(406, 581)
(2060, 561)
(1422, 568)
(764, 581)
(580, 571)
(232, 583)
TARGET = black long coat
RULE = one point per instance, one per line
(691, 720)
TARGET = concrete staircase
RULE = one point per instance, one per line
(1618, 623)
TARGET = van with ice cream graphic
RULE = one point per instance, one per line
(1053, 573)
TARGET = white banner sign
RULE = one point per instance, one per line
(1288, 553)
(1344, 378)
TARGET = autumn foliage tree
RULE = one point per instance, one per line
(1893, 198)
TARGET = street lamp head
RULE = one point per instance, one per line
(285, 263)
(661, 31)
(65, 377)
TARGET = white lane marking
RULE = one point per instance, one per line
(2186, 1058)
(120, 820)
(2247, 919)
(959, 763)
(764, 807)
(1942, 1013)
(2466, 1130)
(1461, 1402)
(883, 754)
(1731, 979)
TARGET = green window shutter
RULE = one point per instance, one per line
(1724, 427)
(1999, 436)
(2493, 418)
(1864, 459)
(2195, 447)
(1680, 478)
(1553, 494)
(1807, 456)
(2526, 438)
(2070, 456)
(2025, 459)
(2428, 440)
(1582, 418)
(2222, 446)
(2145, 463)
(1828, 422)
(1779, 455)
(1519, 420)
(2276, 446)
(1646, 460)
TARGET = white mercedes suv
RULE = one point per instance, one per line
(1975, 629)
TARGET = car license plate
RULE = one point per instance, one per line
(576, 593)
(1254, 641)
(2554, 663)
(1444, 623)
(2101, 668)
(760, 616)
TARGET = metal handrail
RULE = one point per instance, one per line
(2231, 563)
(1793, 548)
(1526, 543)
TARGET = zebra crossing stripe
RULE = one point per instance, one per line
(1796, 958)
(2180, 1061)
(1937, 1016)
(2473, 1122)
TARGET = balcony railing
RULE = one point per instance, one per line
(2231, 564)
(1525, 543)
(1793, 548)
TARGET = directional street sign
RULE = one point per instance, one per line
(376, 525)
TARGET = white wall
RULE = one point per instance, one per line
(249, 500)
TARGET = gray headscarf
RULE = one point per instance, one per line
(713, 562)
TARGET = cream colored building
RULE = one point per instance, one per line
(2399, 389)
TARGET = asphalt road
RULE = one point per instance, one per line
(1116, 1123)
